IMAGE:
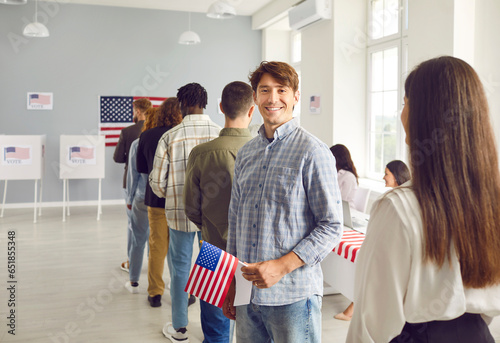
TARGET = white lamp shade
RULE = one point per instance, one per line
(189, 38)
(14, 2)
(221, 10)
(36, 29)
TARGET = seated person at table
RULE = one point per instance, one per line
(429, 269)
(396, 173)
(346, 173)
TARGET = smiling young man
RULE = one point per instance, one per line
(285, 216)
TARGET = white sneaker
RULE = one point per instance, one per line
(132, 289)
(179, 335)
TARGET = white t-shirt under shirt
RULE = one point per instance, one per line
(348, 186)
(393, 286)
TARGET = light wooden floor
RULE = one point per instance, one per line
(70, 287)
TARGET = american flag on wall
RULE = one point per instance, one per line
(116, 113)
(39, 99)
(212, 274)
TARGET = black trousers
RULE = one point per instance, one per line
(468, 328)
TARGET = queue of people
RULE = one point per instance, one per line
(429, 268)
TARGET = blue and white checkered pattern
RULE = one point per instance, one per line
(285, 197)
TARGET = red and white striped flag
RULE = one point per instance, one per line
(212, 274)
(349, 245)
(86, 153)
(116, 113)
(16, 152)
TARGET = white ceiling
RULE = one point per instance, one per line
(243, 7)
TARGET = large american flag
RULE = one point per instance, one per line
(116, 113)
(212, 274)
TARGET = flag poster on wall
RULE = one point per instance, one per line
(40, 101)
(81, 155)
(16, 154)
(315, 104)
(116, 113)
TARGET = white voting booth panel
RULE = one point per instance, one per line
(81, 157)
(22, 158)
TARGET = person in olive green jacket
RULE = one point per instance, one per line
(207, 188)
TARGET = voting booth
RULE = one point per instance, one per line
(23, 158)
(81, 157)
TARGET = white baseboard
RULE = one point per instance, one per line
(71, 203)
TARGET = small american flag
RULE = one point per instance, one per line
(81, 152)
(116, 113)
(39, 99)
(315, 101)
(212, 274)
(17, 152)
(349, 245)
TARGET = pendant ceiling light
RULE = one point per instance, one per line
(36, 29)
(14, 2)
(221, 10)
(189, 37)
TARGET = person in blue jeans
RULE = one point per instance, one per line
(285, 216)
(207, 189)
(167, 181)
(139, 223)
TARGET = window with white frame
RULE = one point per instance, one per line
(387, 64)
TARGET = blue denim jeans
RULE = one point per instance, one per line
(299, 322)
(216, 327)
(180, 252)
(139, 224)
(129, 228)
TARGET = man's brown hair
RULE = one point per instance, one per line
(236, 99)
(142, 104)
(280, 71)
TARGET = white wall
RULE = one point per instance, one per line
(334, 66)
(317, 79)
(430, 30)
(487, 55)
(349, 79)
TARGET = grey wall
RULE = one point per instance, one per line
(98, 50)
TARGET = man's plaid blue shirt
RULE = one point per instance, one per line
(285, 197)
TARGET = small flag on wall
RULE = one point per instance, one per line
(315, 104)
(116, 113)
(212, 274)
(39, 101)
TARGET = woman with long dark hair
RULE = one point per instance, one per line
(396, 173)
(347, 175)
(430, 264)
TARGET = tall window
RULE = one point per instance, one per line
(387, 64)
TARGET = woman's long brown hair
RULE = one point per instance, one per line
(169, 113)
(455, 169)
(150, 118)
